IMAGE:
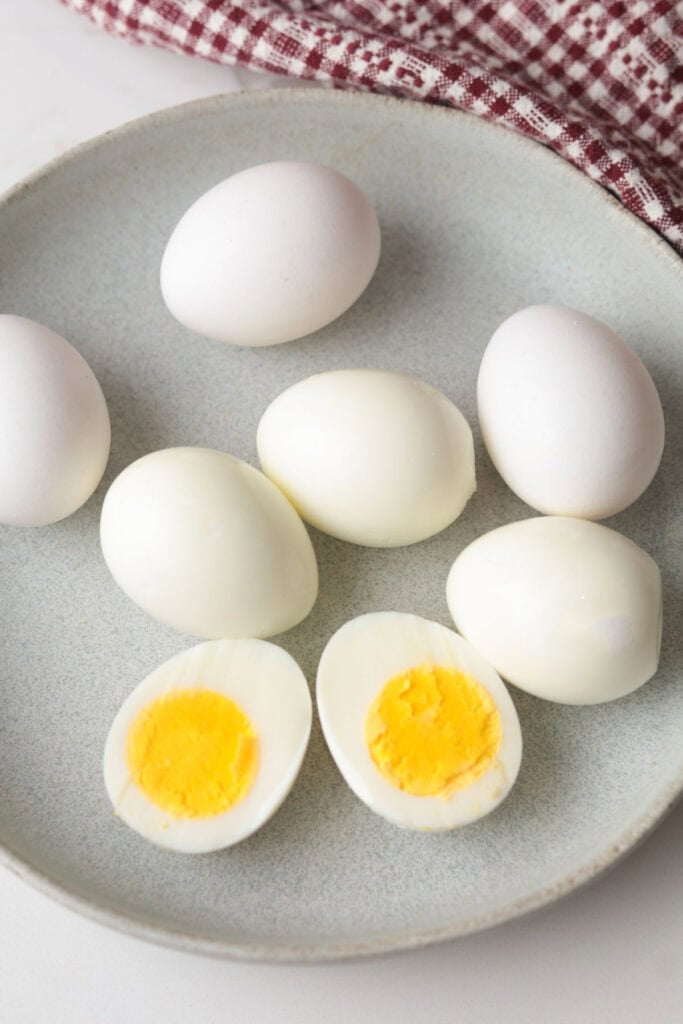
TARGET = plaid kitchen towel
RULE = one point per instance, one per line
(599, 82)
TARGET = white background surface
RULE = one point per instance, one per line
(611, 953)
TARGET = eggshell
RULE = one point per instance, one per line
(371, 457)
(206, 544)
(569, 414)
(54, 425)
(271, 254)
(564, 608)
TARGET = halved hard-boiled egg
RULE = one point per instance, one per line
(420, 726)
(208, 746)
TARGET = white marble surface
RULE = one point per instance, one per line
(611, 954)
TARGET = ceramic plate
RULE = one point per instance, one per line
(476, 224)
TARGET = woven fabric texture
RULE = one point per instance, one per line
(601, 83)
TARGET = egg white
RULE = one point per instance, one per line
(357, 662)
(371, 457)
(270, 688)
(206, 544)
(586, 601)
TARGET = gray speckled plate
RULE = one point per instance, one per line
(476, 223)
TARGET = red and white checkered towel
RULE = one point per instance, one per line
(599, 81)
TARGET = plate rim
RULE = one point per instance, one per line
(98, 910)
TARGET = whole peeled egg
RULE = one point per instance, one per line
(565, 609)
(272, 253)
(420, 726)
(207, 747)
(569, 414)
(206, 544)
(371, 457)
(54, 425)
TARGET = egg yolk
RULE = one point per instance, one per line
(433, 730)
(194, 753)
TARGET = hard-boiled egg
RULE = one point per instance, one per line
(420, 726)
(563, 608)
(371, 457)
(569, 414)
(271, 254)
(54, 425)
(208, 545)
(207, 747)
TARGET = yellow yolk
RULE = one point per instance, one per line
(194, 753)
(433, 730)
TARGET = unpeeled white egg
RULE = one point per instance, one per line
(54, 425)
(207, 747)
(569, 414)
(420, 726)
(272, 253)
(564, 608)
